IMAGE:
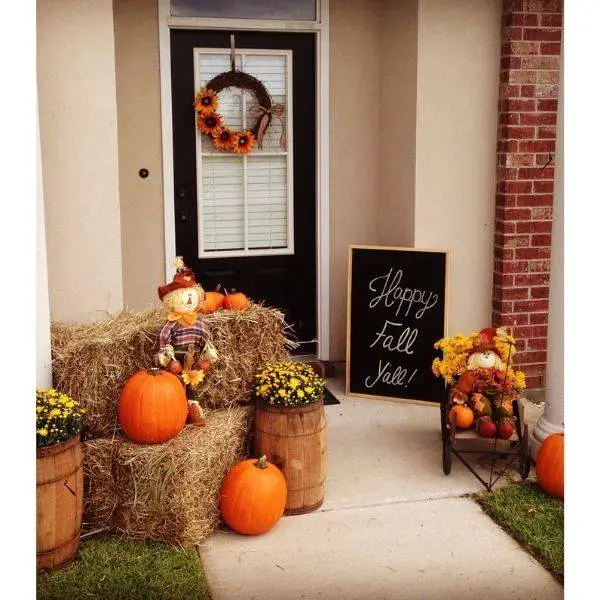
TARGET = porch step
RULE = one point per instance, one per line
(324, 368)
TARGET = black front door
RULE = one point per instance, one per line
(249, 223)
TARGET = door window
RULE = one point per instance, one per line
(292, 10)
(245, 202)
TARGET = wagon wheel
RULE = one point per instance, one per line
(448, 438)
(444, 404)
(524, 458)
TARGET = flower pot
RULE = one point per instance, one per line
(59, 503)
(295, 440)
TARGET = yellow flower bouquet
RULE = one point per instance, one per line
(457, 349)
(58, 417)
(285, 383)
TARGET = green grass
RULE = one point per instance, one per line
(128, 570)
(533, 518)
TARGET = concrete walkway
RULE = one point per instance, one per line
(393, 526)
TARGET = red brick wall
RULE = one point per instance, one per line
(529, 70)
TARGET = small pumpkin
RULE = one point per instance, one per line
(505, 429)
(486, 427)
(212, 301)
(236, 301)
(463, 416)
(152, 407)
(175, 367)
(549, 465)
(253, 496)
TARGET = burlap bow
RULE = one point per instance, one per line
(264, 116)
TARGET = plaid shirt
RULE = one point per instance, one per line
(183, 335)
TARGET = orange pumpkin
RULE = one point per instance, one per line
(253, 496)
(549, 465)
(153, 407)
(463, 416)
(212, 301)
(175, 367)
(236, 301)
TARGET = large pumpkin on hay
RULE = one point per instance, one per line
(549, 465)
(153, 406)
(253, 496)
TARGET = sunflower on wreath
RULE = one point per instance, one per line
(206, 101)
(210, 123)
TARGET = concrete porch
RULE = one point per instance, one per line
(392, 525)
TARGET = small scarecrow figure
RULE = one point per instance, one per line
(486, 356)
(491, 395)
(184, 338)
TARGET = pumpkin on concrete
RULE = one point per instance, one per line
(212, 301)
(153, 407)
(549, 465)
(236, 301)
(253, 496)
(463, 416)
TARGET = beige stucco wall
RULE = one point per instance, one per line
(139, 113)
(78, 130)
(436, 126)
(457, 96)
(397, 121)
(413, 93)
(354, 146)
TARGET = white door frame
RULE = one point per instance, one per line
(321, 30)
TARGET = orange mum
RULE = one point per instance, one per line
(244, 142)
(225, 139)
(206, 101)
(210, 124)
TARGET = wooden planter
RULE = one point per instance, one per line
(59, 503)
(295, 440)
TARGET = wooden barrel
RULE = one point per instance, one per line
(59, 503)
(295, 440)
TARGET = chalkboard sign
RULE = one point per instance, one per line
(397, 301)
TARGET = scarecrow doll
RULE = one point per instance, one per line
(490, 394)
(185, 338)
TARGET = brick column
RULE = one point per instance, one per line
(529, 75)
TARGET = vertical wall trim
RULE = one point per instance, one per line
(166, 108)
(43, 373)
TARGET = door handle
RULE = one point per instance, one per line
(182, 216)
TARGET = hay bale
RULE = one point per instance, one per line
(169, 491)
(245, 341)
(92, 362)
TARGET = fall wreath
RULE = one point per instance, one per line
(210, 122)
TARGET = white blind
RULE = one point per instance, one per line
(245, 202)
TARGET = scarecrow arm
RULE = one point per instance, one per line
(164, 337)
(166, 352)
